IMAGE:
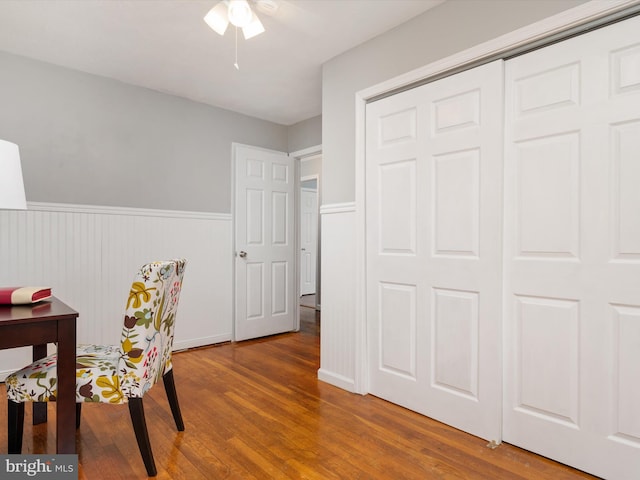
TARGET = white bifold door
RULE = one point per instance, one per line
(572, 251)
(433, 230)
(524, 297)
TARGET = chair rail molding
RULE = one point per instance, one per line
(330, 208)
(127, 211)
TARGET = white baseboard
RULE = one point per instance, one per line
(337, 380)
(199, 342)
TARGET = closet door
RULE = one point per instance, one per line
(572, 251)
(434, 193)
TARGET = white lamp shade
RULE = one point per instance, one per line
(239, 13)
(217, 18)
(253, 29)
(11, 185)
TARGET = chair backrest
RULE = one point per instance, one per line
(149, 323)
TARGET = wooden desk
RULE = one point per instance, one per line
(50, 321)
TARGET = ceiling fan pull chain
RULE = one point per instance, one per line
(236, 64)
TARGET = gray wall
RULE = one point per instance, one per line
(445, 30)
(86, 139)
(307, 133)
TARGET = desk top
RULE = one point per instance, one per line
(51, 309)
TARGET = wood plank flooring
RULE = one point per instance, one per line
(255, 410)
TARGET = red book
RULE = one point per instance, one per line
(23, 295)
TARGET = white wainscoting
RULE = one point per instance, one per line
(337, 337)
(88, 255)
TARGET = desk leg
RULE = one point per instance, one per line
(66, 401)
(39, 409)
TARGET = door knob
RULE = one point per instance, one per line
(304, 249)
(242, 254)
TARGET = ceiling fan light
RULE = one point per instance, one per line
(217, 18)
(240, 13)
(253, 29)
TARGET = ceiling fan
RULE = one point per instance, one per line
(240, 15)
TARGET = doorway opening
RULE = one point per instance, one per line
(309, 231)
(309, 201)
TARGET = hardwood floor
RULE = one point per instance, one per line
(255, 410)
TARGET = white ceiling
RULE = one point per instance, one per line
(166, 46)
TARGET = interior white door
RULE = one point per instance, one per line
(572, 252)
(264, 242)
(308, 240)
(433, 231)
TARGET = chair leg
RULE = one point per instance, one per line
(78, 413)
(142, 435)
(170, 388)
(15, 414)
(39, 408)
(39, 413)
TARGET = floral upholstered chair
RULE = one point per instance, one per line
(115, 374)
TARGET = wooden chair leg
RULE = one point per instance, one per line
(39, 408)
(39, 413)
(170, 388)
(15, 414)
(78, 413)
(142, 435)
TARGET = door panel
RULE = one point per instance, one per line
(398, 326)
(456, 323)
(264, 233)
(456, 200)
(434, 170)
(572, 243)
(397, 206)
(626, 201)
(553, 368)
(548, 196)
